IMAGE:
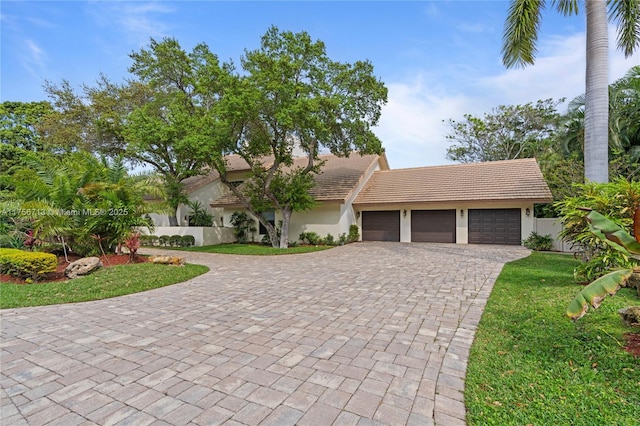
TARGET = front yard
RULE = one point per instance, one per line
(531, 365)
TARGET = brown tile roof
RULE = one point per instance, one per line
(235, 163)
(338, 177)
(490, 181)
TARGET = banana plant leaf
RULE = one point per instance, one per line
(596, 292)
(613, 235)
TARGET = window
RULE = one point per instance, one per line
(270, 215)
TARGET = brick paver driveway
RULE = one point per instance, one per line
(370, 333)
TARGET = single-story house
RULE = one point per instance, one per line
(476, 203)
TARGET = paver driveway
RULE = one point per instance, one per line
(370, 333)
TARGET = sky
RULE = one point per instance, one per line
(438, 59)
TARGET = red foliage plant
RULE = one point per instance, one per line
(133, 244)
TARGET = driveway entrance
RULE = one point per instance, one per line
(369, 332)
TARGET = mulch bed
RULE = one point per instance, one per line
(57, 276)
(633, 344)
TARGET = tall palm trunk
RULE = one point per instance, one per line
(596, 135)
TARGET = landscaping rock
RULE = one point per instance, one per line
(83, 266)
(631, 315)
(634, 281)
(167, 260)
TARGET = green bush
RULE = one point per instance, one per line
(354, 234)
(163, 240)
(330, 240)
(538, 242)
(187, 241)
(617, 200)
(175, 240)
(310, 238)
(26, 264)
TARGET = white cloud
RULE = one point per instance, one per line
(412, 128)
(33, 59)
(559, 71)
(137, 20)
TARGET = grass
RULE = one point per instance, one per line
(254, 249)
(530, 364)
(102, 284)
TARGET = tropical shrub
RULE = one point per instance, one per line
(310, 238)
(133, 244)
(617, 239)
(538, 242)
(163, 240)
(199, 215)
(243, 226)
(26, 264)
(618, 200)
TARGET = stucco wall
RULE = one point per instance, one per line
(205, 195)
(203, 236)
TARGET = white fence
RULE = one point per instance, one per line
(552, 227)
(203, 235)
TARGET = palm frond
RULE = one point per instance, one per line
(521, 32)
(626, 13)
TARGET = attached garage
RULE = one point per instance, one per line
(381, 225)
(495, 226)
(433, 226)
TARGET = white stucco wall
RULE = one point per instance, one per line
(203, 236)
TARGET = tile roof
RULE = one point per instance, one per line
(235, 163)
(490, 181)
(338, 177)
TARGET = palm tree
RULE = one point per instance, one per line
(519, 49)
(624, 126)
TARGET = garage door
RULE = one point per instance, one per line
(381, 226)
(433, 226)
(494, 226)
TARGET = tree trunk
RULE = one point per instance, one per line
(596, 115)
(284, 236)
(173, 219)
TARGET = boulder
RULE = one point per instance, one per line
(83, 266)
(631, 315)
(167, 260)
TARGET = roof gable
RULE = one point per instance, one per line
(338, 177)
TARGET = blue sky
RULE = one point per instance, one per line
(439, 59)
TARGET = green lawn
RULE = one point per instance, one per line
(254, 249)
(102, 284)
(530, 364)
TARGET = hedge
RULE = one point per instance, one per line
(166, 240)
(27, 264)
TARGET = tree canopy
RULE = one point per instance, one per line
(508, 132)
(185, 112)
(291, 95)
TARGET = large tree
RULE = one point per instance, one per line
(150, 120)
(508, 132)
(19, 124)
(519, 49)
(292, 95)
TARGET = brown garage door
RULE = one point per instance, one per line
(381, 226)
(433, 226)
(494, 226)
